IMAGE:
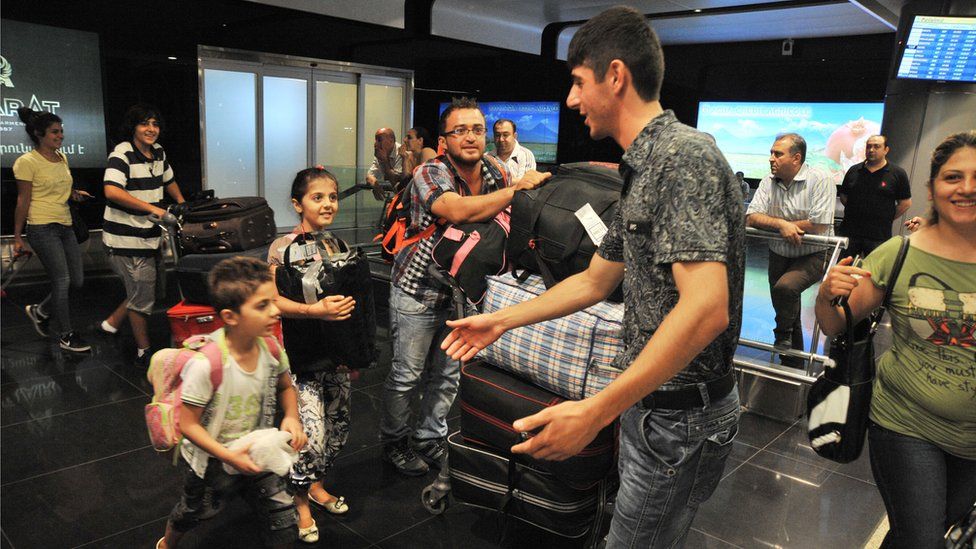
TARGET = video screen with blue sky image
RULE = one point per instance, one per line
(537, 123)
(835, 132)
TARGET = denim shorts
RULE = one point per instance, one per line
(670, 463)
(265, 493)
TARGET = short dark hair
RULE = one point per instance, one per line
(234, 280)
(884, 139)
(36, 123)
(620, 33)
(423, 135)
(797, 144)
(494, 127)
(135, 115)
(457, 103)
(942, 153)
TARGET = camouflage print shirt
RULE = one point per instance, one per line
(680, 203)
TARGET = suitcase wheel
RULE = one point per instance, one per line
(435, 499)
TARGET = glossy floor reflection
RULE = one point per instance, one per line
(76, 469)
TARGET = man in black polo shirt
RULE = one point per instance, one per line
(874, 193)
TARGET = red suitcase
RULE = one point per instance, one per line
(189, 319)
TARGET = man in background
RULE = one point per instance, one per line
(507, 149)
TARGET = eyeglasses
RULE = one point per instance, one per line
(478, 131)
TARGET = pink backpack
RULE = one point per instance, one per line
(165, 370)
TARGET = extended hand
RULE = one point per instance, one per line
(298, 436)
(914, 223)
(841, 280)
(19, 245)
(334, 307)
(531, 180)
(791, 233)
(470, 335)
(241, 460)
(567, 428)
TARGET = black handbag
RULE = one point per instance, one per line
(78, 224)
(316, 345)
(840, 399)
(472, 251)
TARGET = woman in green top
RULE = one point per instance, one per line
(43, 189)
(923, 413)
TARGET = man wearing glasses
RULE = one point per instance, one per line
(461, 186)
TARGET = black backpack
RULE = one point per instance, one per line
(315, 345)
(546, 237)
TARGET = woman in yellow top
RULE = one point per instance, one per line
(922, 435)
(43, 190)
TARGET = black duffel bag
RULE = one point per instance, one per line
(315, 345)
(472, 251)
(546, 237)
(225, 225)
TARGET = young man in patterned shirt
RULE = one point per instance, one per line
(461, 186)
(677, 243)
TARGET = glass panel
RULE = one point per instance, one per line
(335, 139)
(231, 132)
(383, 109)
(285, 142)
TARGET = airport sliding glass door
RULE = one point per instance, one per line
(265, 117)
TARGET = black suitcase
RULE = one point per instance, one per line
(492, 399)
(192, 271)
(483, 477)
(227, 225)
(546, 236)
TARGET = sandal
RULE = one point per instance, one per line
(310, 534)
(336, 506)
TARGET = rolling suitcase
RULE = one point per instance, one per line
(227, 225)
(483, 477)
(492, 399)
(190, 319)
(192, 271)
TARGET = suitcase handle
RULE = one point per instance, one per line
(204, 319)
(216, 206)
(211, 244)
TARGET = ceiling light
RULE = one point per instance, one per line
(172, 58)
(697, 11)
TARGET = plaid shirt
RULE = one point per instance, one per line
(432, 179)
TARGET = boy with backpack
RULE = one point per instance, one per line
(254, 379)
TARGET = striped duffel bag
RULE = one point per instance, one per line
(571, 356)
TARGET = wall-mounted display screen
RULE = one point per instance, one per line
(835, 132)
(940, 48)
(537, 123)
(56, 70)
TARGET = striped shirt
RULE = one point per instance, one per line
(127, 231)
(811, 196)
(431, 180)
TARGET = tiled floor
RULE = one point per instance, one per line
(76, 469)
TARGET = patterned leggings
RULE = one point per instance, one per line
(323, 405)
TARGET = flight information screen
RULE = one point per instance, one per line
(940, 48)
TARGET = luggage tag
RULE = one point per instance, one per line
(592, 223)
(302, 253)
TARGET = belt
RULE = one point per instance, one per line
(690, 396)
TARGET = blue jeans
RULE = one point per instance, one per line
(417, 332)
(925, 490)
(670, 463)
(57, 248)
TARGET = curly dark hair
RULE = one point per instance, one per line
(135, 115)
(941, 155)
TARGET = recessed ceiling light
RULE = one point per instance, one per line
(172, 58)
(697, 11)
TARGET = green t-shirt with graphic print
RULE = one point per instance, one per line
(926, 382)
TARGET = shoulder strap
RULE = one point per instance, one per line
(216, 358)
(896, 270)
(496, 169)
(273, 347)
